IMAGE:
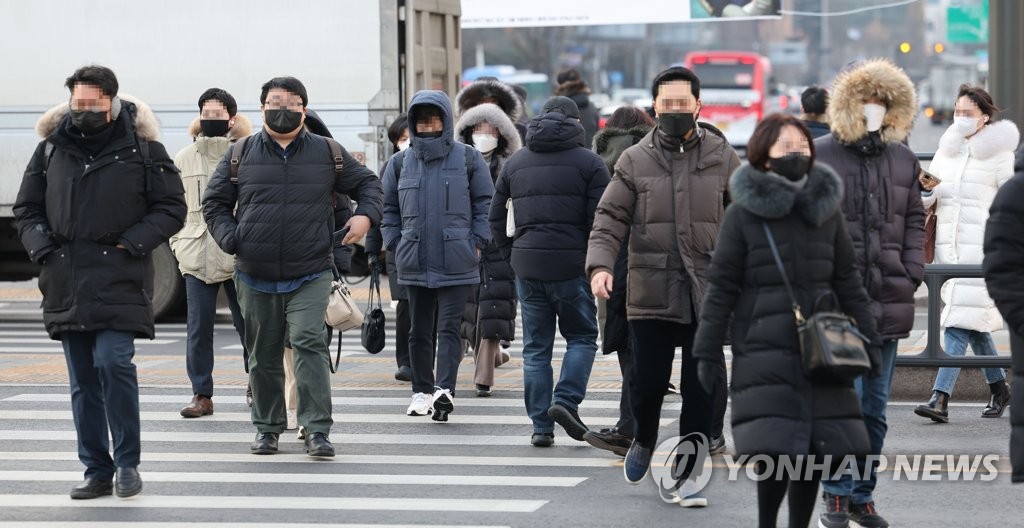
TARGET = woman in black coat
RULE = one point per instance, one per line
(776, 410)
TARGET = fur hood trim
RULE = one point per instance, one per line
(242, 128)
(474, 94)
(606, 134)
(146, 125)
(770, 196)
(993, 139)
(874, 78)
(494, 115)
(572, 88)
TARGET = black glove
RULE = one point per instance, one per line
(875, 356)
(709, 374)
(373, 261)
(39, 257)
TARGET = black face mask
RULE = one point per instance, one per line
(793, 167)
(282, 121)
(89, 122)
(214, 127)
(429, 135)
(677, 124)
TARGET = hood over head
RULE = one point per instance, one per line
(505, 97)
(873, 78)
(492, 114)
(995, 138)
(606, 134)
(553, 132)
(431, 148)
(145, 123)
(771, 196)
(242, 128)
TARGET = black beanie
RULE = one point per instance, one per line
(561, 104)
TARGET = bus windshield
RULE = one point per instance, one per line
(727, 75)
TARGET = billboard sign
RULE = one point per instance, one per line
(539, 13)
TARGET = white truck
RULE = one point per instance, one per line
(361, 62)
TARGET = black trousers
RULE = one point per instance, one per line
(402, 327)
(652, 369)
(447, 304)
(626, 425)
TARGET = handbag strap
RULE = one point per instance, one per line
(337, 357)
(374, 288)
(782, 270)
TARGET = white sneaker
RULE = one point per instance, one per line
(420, 405)
(301, 435)
(758, 8)
(443, 405)
(293, 420)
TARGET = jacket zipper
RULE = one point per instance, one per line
(447, 198)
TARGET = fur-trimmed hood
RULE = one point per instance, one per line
(572, 88)
(242, 128)
(995, 138)
(606, 134)
(474, 94)
(494, 115)
(874, 78)
(771, 196)
(146, 125)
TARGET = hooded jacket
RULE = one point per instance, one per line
(776, 410)
(610, 143)
(882, 200)
(73, 209)
(490, 312)
(672, 205)
(589, 114)
(971, 170)
(484, 91)
(1004, 275)
(555, 184)
(194, 247)
(435, 213)
(277, 218)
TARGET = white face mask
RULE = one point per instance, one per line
(874, 114)
(485, 142)
(966, 125)
(402, 145)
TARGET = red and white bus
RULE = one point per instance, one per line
(733, 90)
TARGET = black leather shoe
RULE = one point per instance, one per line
(265, 444)
(92, 488)
(318, 445)
(1000, 400)
(609, 440)
(936, 408)
(404, 373)
(542, 439)
(127, 482)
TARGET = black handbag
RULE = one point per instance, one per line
(373, 323)
(831, 346)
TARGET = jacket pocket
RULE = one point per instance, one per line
(188, 245)
(56, 280)
(459, 251)
(648, 281)
(116, 276)
(408, 197)
(407, 252)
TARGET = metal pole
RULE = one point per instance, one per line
(1005, 42)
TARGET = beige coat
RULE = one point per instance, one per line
(197, 253)
(672, 209)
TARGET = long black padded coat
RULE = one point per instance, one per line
(776, 410)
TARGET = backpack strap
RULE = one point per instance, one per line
(336, 155)
(469, 159)
(147, 160)
(237, 149)
(398, 161)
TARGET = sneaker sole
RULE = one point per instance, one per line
(694, 503)
(563, 417)
(932, 416)
(821, 524)
(634, 482)
(417, 413)
(601, 444)
(441, 411)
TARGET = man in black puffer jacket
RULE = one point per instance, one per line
(554, 184)
(99, 195)
(282, 240)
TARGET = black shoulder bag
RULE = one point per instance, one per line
(831, 346)
(373, 323)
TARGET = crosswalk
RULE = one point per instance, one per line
(478, 469)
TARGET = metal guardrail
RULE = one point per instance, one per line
(934, 355)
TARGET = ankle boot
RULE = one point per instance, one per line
(1000, 400)
(935, 409)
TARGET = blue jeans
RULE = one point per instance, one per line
(955, 343)
(571, 303)
(104, 392)
(874, 397)
(202, 314)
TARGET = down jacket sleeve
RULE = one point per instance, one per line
(913, 235)
(30, 209)
(166, 210)
(612, 219)
(362, 185)
(1004, 253)
(481, 189)
(847, 283)
(499, 214)
(219, 205)
(391, 223)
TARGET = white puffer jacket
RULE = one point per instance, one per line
(197, 253)
(972, 170)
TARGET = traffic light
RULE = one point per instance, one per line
(904, 47)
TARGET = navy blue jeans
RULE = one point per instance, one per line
(202, 314)
(104, 393)
(874, 397)
(571, 304)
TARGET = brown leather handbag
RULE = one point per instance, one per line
(930, 220)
